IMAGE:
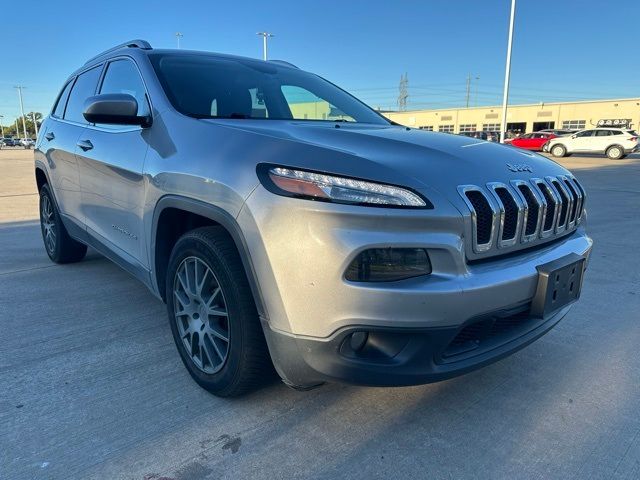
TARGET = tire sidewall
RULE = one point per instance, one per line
(192, 247)
(617, 157)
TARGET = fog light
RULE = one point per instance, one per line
(388, 265)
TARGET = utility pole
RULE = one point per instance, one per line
(178, 37)
(264, 36)
(507, 74)
(468, 90)
(35, 123)
(403, 93)
(24, 123)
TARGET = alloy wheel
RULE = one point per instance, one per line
(201, 315)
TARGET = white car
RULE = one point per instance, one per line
(27, 142)
(615, 143)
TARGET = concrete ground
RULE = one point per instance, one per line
(91, 385)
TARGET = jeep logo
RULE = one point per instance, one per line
(519, 168)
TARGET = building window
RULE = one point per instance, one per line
(573, 124)
(445, 128)
(491, 127)
(428, 128)
(467, 127)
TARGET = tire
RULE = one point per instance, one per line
(558, 150)
(58, 244)
(615, 152)
(217, 304)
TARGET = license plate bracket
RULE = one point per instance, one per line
(559, 284)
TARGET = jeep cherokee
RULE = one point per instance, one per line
(284, 223)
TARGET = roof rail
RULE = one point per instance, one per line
(282, 62)
(143, 44)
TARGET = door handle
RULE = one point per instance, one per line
(85, 145)
(49, 136)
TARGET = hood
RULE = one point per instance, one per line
(428, 158)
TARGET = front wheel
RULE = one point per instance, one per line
(558, 150)
(213, 316)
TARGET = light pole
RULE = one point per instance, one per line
(507, 74)
(24, 123)
(178, 37)
(475, 93)
(264, 36)
(35, 123)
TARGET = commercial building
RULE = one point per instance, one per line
(526, 118)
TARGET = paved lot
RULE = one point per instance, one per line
(91, 385)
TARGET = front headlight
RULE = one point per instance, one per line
(330, 188)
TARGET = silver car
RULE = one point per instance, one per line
(286, 224)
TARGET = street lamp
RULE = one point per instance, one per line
(24, 123)
(507, 74)
(178, 37)
(264, 36)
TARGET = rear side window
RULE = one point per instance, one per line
(603, 133)
(122, 77)
(84, 87)
(58, 110)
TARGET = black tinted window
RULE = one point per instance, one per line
(58, 110)
(84, 87)
(206, 86)
(603, 133)
(585, 133)
(122, 77)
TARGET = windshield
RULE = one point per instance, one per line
(204, 86)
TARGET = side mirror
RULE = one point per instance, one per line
(573, 136)
(114, 108)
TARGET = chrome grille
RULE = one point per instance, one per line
(504, 215)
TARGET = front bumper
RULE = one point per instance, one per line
(311, 310)
(401, 357)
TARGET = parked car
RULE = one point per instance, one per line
(9, 142)
(615, 143)
(335, 249)
(488, 136)
(532, 141)
(27, 142)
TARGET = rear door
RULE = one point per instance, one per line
(59, 143)
(111, 163)
(601, 140)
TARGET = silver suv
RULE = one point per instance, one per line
(284, 223)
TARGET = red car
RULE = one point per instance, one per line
(532, 141)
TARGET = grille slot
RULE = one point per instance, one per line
(574, 205)
(533, 210)
(510, 227)
(551, 206)
(484, 216)
(523, 211)
(562, 220)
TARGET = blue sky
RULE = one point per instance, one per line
(563, 49)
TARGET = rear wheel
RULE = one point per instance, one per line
(213, 316)
(615, 152)
(558, 150)
(60, 247)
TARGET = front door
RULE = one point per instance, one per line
(111, 162)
